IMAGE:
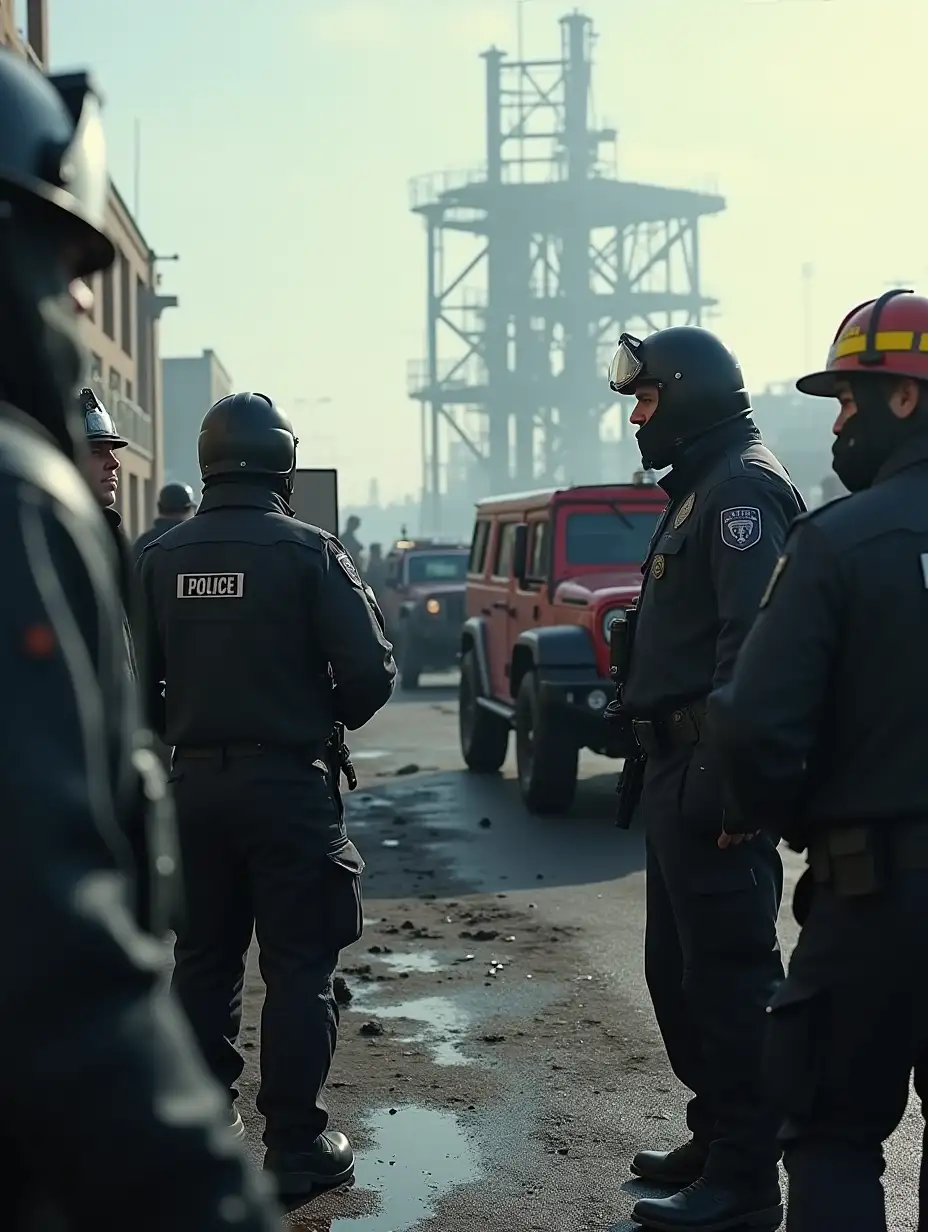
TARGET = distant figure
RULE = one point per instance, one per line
(376, 572)
(175, 505)
(350, 539)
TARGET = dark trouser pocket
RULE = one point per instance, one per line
(344, 922)
(793, 1056)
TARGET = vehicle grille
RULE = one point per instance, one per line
(454, 609)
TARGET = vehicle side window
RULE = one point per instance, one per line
(502, 567)
(394, 570)
(539, 554)
(478, 548)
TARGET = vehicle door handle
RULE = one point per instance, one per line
(485, 611)
(503, 606)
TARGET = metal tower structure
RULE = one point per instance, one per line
(536, 263)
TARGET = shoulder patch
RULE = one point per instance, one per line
(778, 568)
(684, 511)
(741, 527)
(344, 561)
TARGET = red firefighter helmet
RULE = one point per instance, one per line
(883, 337)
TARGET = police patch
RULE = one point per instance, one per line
(774, 578)
(348, 568)
(741, 527)
(684, 511)
(210, 585)
(657, 567)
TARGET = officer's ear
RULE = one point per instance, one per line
(906, 397)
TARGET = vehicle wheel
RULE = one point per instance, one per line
(546, 754)
(410, 669)
(484, 736)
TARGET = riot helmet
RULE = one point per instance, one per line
(99, 428)
(878, 345)
(175, 498)
(53, 191)
(247, 434)
(699, 383)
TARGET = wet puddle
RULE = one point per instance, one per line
(441, 1020)
(420, 1155)
(368, 754)
(423, 962)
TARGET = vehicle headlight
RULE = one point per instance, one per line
(433, 607)
(597, 700)
(613, 613)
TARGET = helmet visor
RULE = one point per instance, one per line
(627, 365)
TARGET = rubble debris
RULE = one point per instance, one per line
(372, 1028)
(341, 991)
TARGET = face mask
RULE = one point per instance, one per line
(868, 438)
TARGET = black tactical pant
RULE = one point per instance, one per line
(263, 848)
(847, 1030)
(712, 964)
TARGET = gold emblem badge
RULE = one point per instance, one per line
(657, 567)
(684, 511)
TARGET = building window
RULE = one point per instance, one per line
(143, 346)
(109, 303)
(128, 389)
(148, 506)
(96, 367)
(115, 382)
(125, 303)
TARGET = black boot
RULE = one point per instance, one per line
(329, 1162)
(707, 1207)
(681, 1166)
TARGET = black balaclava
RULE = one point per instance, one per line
(874, 433)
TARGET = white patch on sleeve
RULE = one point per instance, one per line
(741, 527)
(925, 568)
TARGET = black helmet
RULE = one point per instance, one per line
(699, 380)
(245, 434)
(98, 423)
(53, 191)
(53, 157)
(175, 498)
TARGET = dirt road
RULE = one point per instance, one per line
(498, 1063)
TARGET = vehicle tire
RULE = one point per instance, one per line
(484, 736)
(410, 668)
(547, 755)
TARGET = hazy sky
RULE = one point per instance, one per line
(279, 136)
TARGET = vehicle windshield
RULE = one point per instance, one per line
(437, 567)
(615, 538)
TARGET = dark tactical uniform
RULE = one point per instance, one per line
(110, 1120)
(100, 429)
(175, 505)
(712, 960)
(253, 616)
(824, 731)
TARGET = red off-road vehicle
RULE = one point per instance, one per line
(548, 573)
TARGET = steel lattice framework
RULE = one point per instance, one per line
(536, 263)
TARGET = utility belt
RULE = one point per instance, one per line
(860, 860)
(678, 729)
(334, 756)
(232, 752)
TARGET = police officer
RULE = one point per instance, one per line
(175, 504)
(824, 731)
(265, 638)
(711, 955)
(101, 470)
(110, 1115)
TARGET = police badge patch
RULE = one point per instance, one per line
(741, 527)
(657, 567)
(684, 511)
